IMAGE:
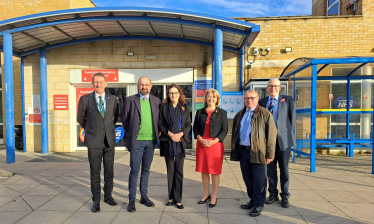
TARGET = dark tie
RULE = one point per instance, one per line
(271, 106)
(102, 112)
(144, 98)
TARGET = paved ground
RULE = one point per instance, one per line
(55, 188)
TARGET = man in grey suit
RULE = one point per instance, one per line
(97, 114)
(283, 109)
(139, 119)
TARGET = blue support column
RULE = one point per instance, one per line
(372, 145)
(44, 99)
(241, 71)
(213, 70)
(23, 103)
(313, 121)
(348, 117)
(9, 97)
(218, 53)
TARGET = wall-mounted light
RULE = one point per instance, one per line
(130, 53)
(288, 49)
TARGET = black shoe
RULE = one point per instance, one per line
(110, 201)
(131, 206)
(272, 199)
(203, 202)
(169, 203)
(145, 201)
(285, 203)
(247, 206)
(96, 207)
(213, 205)
(180, 206)
(255, 212)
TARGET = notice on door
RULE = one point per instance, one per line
(61, 102)
(81, 92)
(111, 75)
(35, 115)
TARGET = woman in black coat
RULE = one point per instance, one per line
(174, 124)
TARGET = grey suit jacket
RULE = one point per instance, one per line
(286, 121)
(131, 117)
(96, 126)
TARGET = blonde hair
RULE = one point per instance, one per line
(215, 93)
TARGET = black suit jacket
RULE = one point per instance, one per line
(164, 122)
(286, 121)
(131, 117)
(218, 123)
(96, 126)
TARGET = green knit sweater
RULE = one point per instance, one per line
(147, 130)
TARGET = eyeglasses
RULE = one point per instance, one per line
(273, 86)
(250, 98)
(175, 93)
(142, 85)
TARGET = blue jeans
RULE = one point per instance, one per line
(142, 153)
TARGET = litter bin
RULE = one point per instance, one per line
(18, 135)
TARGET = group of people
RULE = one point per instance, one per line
(262, 135)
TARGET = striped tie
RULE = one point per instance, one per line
(102, 112)
(271, 106)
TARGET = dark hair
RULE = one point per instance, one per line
(182, 98)
(98, 74)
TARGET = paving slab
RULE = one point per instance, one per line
(64, 203)
(46, 217)
(328, 220)
(360, 211)
(279, 219)
(138, 217)
(12, 217)
(175, 218)
(4, 190)
(16, 205)
(231, 218)
(340, 196)
(89, 217)
(47, 190)
(6, 198)
(317, 208)
(36, 201)
(368, 196)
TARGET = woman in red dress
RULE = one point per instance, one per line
(210, 129)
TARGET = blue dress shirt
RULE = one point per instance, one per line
(248, 129)
(275, 110)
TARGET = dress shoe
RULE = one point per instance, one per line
(110, 201)
(285, 203)
(131, 206)
(180, 206)
(256, 211)
(96, 206)
(203, 202)
(145, 201)
(213, 205)
(247, 206)
(272, 199)
(169, 203)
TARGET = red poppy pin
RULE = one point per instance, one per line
(282, 101)
(183, 108)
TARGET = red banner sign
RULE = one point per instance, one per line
(61, 102)
(111, 75)
(81, 92)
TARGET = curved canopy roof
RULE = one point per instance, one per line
(65, 27)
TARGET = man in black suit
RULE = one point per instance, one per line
(97, 114)
(283, 109)
(139, 119)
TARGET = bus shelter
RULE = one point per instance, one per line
(326, 119)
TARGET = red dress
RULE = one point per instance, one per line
(209, 159)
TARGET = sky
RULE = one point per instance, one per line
(227, 8)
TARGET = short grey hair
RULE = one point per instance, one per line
(98, 74)
(251, 91)
(274, 79)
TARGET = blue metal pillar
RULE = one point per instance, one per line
(348, 117)
(213, 70)
(372, 145)
(9, 97)
(23, 103)
(241, 71)
(44, 99)
(313, 121)
(218, 53)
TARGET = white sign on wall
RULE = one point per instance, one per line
(35, 100)
(232, 102)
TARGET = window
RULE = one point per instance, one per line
(333, 7)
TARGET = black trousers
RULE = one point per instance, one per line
(254, 176)
(95, 157)
(174, 168)
(282, 157)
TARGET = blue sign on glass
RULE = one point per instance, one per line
(119, 134)
(203, 84)
(341, 102)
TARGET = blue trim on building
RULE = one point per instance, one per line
(23, 103)
(218, 55)
(44, 100)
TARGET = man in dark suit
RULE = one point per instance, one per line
(97, 114)
(283, 109)
(139, 119)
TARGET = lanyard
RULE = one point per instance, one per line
(102, 107)
(275, 103)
